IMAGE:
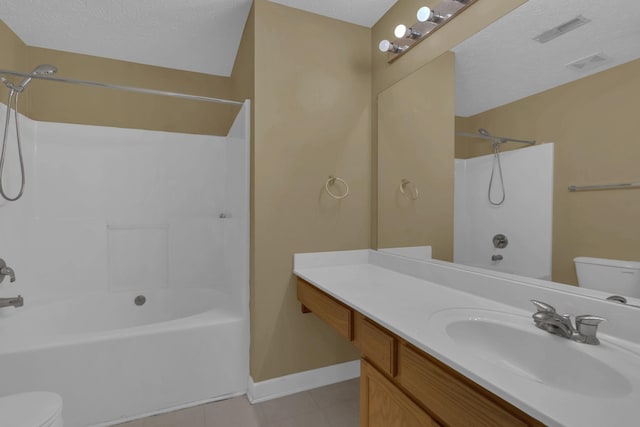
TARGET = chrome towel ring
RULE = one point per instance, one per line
(332, 181)
(411, 195)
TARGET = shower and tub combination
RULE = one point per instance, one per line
(130, 250)
(503, 207)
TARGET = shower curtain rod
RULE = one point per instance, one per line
(495, 138)
(123, 88)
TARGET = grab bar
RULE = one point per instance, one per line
(604, 187)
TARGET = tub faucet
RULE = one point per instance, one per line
(12, 302)
(6, 271)
(548, 320)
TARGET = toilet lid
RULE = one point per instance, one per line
(33, 409)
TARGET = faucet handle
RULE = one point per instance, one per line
(589, 320)
(587, 328)
(543, 306)
(6, 271)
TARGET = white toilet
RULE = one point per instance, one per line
(33, 409)
(609, 275)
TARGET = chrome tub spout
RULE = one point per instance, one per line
(12, 302)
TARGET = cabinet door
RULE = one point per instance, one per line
(383, 405)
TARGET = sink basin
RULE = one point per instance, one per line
(513, 342)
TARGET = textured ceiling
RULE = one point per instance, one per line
(361, 12)
(193, 35)
(502, 63)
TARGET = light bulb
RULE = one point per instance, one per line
(424, 14)
(384, 46)
(400, 31)
(387, 46)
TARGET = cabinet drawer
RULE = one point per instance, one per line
(336, 314)
(376, 345)
(456, 402)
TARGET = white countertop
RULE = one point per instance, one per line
(403, 295)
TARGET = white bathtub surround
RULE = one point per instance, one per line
(409, 297)
(301, 381)
(109, 214)
(525, 217)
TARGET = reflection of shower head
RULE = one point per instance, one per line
(40, 70)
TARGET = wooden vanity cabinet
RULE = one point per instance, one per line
(456, 400)
(401, 385)
(382, 404)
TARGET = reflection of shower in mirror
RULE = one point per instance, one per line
(496, 141)
(480, 228)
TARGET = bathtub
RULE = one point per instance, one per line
(112, 360)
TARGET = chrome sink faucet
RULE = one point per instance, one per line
(547, 319)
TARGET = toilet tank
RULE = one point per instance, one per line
(609, 275)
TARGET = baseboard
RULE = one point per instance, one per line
(301, 381)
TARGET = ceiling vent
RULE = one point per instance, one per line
(562, 29)
(590, 62)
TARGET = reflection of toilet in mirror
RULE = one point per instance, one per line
(609, 275)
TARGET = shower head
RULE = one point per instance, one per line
(483, 132)
(40, 70)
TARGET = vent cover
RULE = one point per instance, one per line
(562, 29)
(590, 62)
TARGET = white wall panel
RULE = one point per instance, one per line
(110, 208)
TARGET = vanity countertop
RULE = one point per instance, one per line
(405, 296)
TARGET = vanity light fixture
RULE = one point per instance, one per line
(429, 21)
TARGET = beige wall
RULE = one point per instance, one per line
(422, 154)
(384, 75)
(243, 74)
(313, 119)
(12, 57)
(593, 124)
(56, 102)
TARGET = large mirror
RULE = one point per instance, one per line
(575, 91)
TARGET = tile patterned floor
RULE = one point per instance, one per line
(335, 405)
